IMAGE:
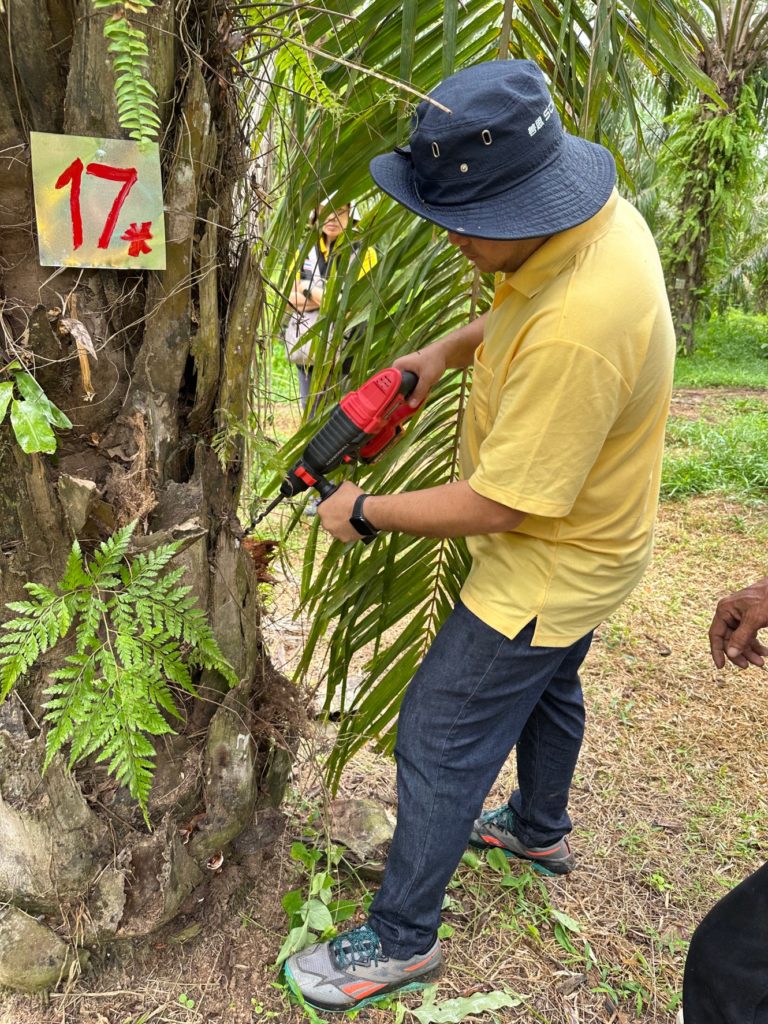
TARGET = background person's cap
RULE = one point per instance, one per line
(499, 165)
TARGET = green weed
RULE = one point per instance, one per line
(635, 839)
(729, 455)
(659, 883)
(313, 917)
(730, 352)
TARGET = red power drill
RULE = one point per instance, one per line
(361, 427)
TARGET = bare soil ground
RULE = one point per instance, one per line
(669, 809)
(694, 403)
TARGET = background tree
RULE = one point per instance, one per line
(710, 159)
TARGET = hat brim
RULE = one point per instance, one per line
(564, 193)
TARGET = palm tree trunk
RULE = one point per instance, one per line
(174, 353)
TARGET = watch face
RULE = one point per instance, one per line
(358, 520)
(363, 526)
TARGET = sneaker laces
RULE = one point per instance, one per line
(358, 948)
(502, 817)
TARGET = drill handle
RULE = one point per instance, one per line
(408, 382)
(325, 487)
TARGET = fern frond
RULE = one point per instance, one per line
(91, 614)
(137, 630)
(23, 640)
(132, 762)
(146, 567)
(135, 96)
(108, 557)
(307, 81)
(75, 577)
(71, 696)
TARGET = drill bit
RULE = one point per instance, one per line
(265, 513)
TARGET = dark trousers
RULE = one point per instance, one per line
(726, 973)
(476, 695)
(304, 374)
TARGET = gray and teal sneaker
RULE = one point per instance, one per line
(352, 971)
(496, 829)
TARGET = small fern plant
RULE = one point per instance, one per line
(136, 632)
(136, 96)
(292, 59)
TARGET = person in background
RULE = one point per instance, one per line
(306, 296)
(726, 971)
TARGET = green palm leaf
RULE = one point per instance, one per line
(595, 55)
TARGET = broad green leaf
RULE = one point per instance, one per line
(342, 910)
(565, 920)
(32, 427)
(470, 859)
(293, 901)
(498, 861)
(6, 394)
(31, 390)
(318, 917)
(295, 940)
(305, 856)
(453, 1011)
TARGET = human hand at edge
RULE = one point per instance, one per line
(734, 628)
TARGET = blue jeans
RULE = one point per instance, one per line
(476, 695)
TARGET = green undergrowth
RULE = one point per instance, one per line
(731, 351)
(490, 904)
(725, 449)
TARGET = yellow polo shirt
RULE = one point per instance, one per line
(565, 422)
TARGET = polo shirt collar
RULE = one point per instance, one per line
(547, 262)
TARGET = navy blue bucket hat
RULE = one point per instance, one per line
(499, 165)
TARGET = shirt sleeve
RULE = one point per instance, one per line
(556, 409)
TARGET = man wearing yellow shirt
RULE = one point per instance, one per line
(561, 456)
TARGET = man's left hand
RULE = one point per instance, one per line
(334, 512)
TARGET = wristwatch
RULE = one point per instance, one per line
(366, 530)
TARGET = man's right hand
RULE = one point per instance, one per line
(733, 633)
(429, 365)
(453, 351)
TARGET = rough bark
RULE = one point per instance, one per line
(167, 378)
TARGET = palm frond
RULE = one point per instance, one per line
(391, 597)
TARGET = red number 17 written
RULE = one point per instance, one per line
(73, 176)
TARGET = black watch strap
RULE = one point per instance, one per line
(358, 520)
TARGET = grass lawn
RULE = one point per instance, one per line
(731, 351)
(717, 443)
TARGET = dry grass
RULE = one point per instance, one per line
(667, 804)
